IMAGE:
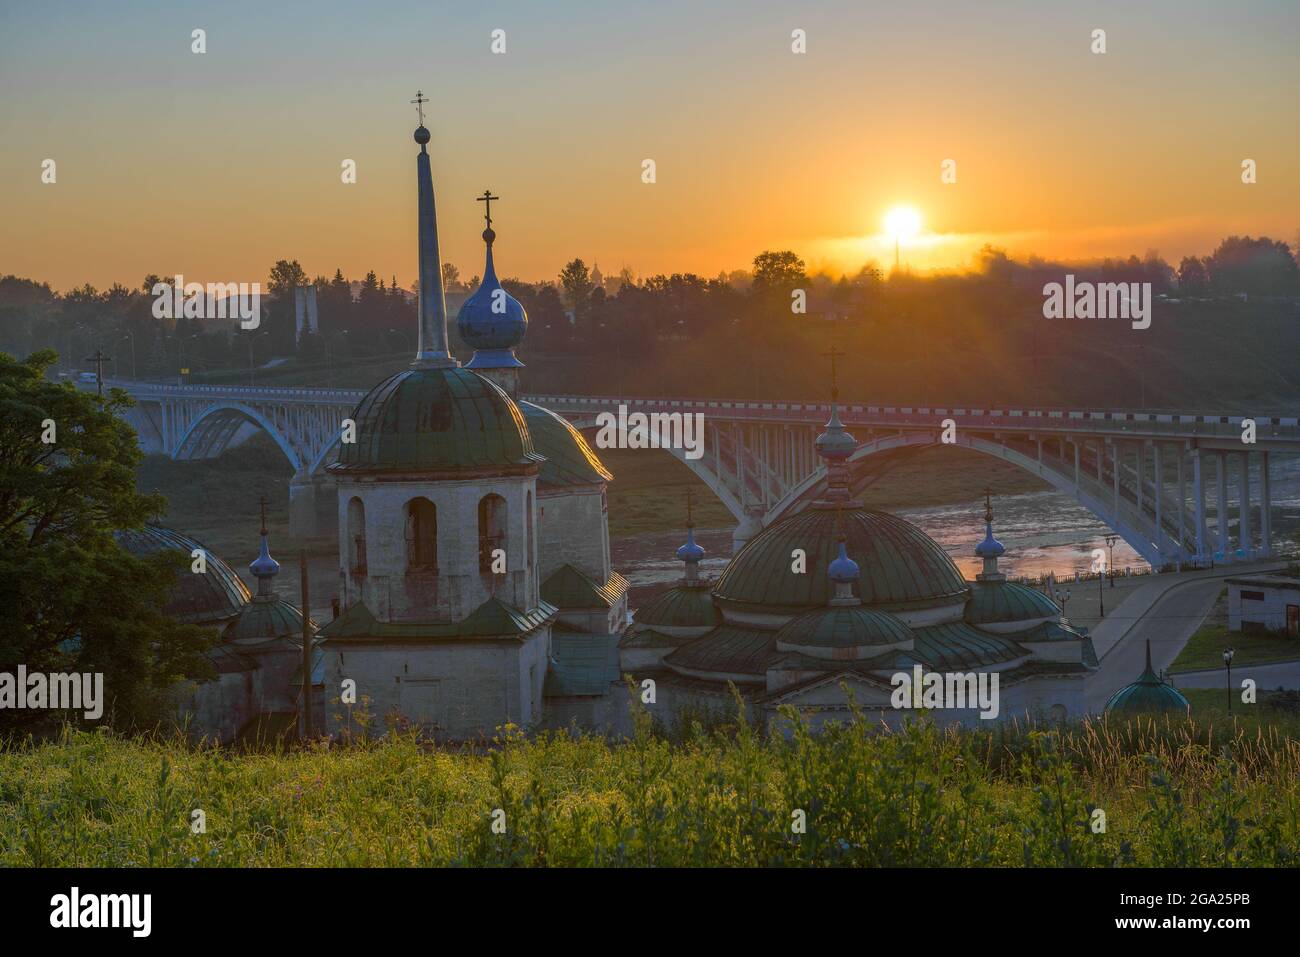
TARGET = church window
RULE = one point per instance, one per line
(422, 535)
(356, 537)
(491, 529)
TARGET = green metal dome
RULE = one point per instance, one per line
(216, 595)
(842, 629)
(266, 617)
(440, 418)
(569, 459)
(900, 565)
(685, 606)
(1148, 695)
(998, 601)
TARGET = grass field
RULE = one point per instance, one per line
(1169, 793)
(1204, 650)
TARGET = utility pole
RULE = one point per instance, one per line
(99, 359)
(306, 649)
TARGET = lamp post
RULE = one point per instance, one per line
(251, 337)
(1062, 597)
(1110, 561)
(131, 336)
(1227, 663)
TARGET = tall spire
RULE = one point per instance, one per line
(835, 445)
(264, 567)
(990, 549)
(432, 351)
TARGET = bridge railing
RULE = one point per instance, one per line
(1053, 420)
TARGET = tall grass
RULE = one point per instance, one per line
(1171, 793)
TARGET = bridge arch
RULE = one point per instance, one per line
(698, 467)
(894, 446)
(216, 425)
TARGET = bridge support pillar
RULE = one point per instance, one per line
(1265, 508)
(749, 526)
(313, 506)
(1198, 503)
(1221, 504)
(1243, 520)
(1158, 490)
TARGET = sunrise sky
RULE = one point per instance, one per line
(216, 165)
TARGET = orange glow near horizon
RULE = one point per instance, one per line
(216, 166)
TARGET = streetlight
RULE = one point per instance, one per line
(1062, 597)
(1227, 663)
(180, 357)
(1110, 562)
(131, 336)
(251, 337)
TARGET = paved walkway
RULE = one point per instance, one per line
(1165, 611)
(1281, 674)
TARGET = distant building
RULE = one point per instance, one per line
(1264, 603)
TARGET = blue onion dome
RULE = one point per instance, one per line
(264, 566)
(844, 632)
(492, 321)
(990, 547)
(835, 443)
(844, 569)
(214, 596)
(690, 552)
(437, 418)
(1148, 695)
(900, 566)
(570, 459)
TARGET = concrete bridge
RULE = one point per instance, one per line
(1164, 481)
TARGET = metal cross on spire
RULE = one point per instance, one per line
(419, 101)
(262, 503)
(833, 355)
(486, 199)
(988, 504)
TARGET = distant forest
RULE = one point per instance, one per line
(1225, 331)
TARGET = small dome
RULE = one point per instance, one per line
(569, 459)
(266, 617)
(997, 601)
(445, 417)
(691, 551)
(422, 135)
(990, 547)
(899, 565)
(831, 632)
(844, 569)
(216, 595)
(835, 443)
(1148, 695)
(492, 321)
(264, 566)
(684, 606)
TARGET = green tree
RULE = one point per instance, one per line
(71, 599)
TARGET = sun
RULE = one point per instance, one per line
(902, 223)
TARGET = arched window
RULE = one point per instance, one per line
(356, 537)
(422, 535)
(491, 529)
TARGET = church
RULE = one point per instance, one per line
(476, 589)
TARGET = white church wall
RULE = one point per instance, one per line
(574, 530)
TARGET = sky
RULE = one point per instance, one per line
(215, 165)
